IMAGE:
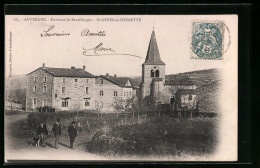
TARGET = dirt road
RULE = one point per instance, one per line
(18, 144)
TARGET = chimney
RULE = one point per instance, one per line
(43, 65)
(73, 67)
(107, 75)
(84, 67)
(115, 75)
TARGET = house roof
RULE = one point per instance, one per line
(121, 81)
(67, 72)
(186, 91)
(153, 55)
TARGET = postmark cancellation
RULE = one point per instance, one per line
(207, 40)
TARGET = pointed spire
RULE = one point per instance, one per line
(153, 55)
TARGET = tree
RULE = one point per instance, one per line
(142, 107)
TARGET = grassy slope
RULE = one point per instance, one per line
(160, 137)
(208, 97)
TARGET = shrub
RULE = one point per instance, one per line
(159, 136)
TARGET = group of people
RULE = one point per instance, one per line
(42, 132)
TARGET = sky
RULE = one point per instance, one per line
(173, 33)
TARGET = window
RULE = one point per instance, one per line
(86, 102)
(35, 78)
(87, 80)
(102, 81)
(44, 88)
(124, 93)
(63, 80)
(157, 73)
(44, 79)
(76, 81)
(86, 90)
(43, 102)
(63, 90)
(115, 93)
(101, 93)
(34, 89)
(34, 101)
(152, 73)
(190, 97)
(64, 103)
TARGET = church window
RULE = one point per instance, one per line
(157, 73)
(152, 73)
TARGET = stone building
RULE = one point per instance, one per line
(111, 90)
(75, 89)
(61, 88)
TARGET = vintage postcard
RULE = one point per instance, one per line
(121, 87)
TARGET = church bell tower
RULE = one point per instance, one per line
(153, 71)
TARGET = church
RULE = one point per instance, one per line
(157, 89)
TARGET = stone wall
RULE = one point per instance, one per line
(75, 92)
(39, 95)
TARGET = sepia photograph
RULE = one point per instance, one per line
(121, 87)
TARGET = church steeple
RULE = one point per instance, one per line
(153, 71)
(153, 55)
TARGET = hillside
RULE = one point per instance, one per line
(199, 78)
(15, 87)
(208, 97)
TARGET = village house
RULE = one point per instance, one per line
(113, 90)
(75, 89)
(60, 88)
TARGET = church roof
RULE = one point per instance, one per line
(153, 55)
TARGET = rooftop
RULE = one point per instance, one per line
(121, 81)
(153, 55)
(67, 72)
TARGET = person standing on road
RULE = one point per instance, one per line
(72, 133)
(56, 129)
(42, 132)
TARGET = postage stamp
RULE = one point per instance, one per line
(207, 40)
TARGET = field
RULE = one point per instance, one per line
(158, 137)
(126, 136)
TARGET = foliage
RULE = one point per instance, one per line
(159, 136)
(45, 109)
